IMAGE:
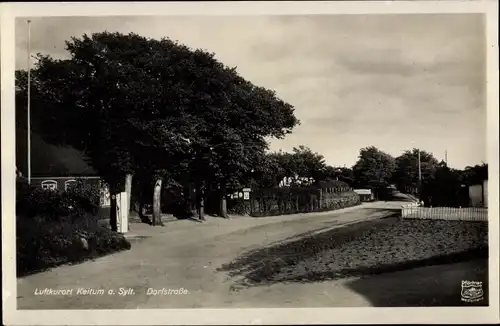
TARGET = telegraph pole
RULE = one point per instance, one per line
(446, 157)
(29, 102)
(419, 175)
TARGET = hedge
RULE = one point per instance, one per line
(281, 201)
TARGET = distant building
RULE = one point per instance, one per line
(478, 194)
(365, 194)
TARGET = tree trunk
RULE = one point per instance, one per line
(128, 190)
(141, 210)
(112, 213)
(321, 199)
(223, 201)
(200, 203)
(157, 203)
(113, 191)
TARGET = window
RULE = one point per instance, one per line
(49, 185)
(68, 184)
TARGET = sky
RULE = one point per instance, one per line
(392, 81)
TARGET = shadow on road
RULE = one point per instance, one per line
(424, 286)
(259, 266)
(374, 247)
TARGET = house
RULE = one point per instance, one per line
(55, 181)
(64, 182)
(478, 194)
(365, 194)
(56, 167)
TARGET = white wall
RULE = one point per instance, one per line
(485, 187)
(476, 195)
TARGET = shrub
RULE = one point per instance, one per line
(79, 200)
(239, 207)
(85, 196)
(60, 227)
(43, 243)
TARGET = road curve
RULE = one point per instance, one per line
(179, 262)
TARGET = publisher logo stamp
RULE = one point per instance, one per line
(472, 291)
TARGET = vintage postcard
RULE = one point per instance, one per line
(250, 163)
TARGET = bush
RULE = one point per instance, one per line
(60, 227)
(79, 200)
(239, 207)
(85, 196)
(42, 243)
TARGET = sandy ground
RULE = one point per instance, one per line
(183, 258)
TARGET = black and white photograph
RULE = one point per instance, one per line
(278, 159)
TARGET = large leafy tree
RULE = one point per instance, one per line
(445, 188)
(301, 167)
(157, 108)
(233, 119)
(406, 175)
(374, 168)
(308, 164)
(120, 99)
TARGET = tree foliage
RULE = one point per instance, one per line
(301, 167)
(406, 175)
(374, 168)
(445, 188)
(476, 174)
(343, 174)
(156, 108)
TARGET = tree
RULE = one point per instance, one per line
(268, 171)
(308, 164)
(156, 107)
(112, 89)
(406, 175)
(73, 107)
(233, 119)
(444, 189)
(374, 168)
(302, 167)
(474, 174)
(343, 174)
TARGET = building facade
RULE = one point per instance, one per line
(478, 195)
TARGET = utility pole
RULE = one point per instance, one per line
(29, 102)
(419, 174)
(446, 157)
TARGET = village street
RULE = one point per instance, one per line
(185, 255)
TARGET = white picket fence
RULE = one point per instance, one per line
(415, 211)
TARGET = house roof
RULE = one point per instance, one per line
(50, 160)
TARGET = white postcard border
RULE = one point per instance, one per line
(455, 315)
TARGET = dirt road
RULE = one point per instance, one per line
(178, 264)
